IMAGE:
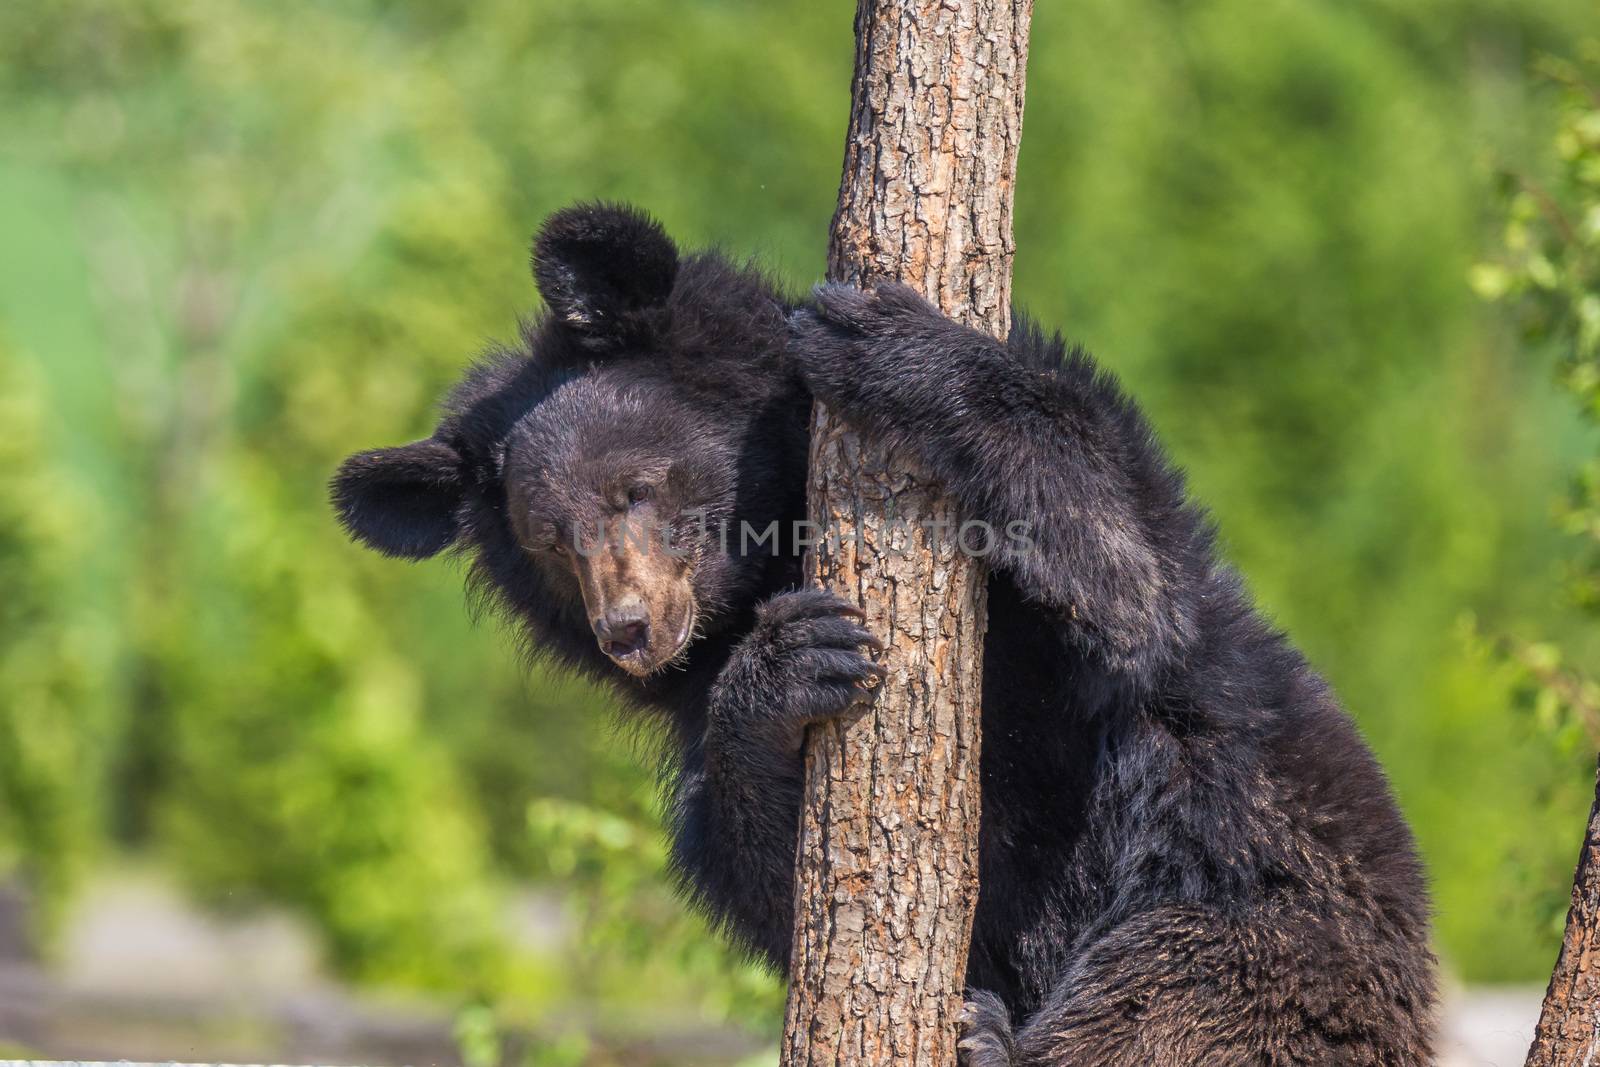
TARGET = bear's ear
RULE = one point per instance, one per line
(605, 271)
(401, 501)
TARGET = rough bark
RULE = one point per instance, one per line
(887, 857)
(1569, 1023)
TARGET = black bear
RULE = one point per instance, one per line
(1187, 855)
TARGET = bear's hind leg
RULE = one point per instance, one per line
(1265, 986)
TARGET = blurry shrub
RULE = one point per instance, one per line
(613, 870)
(53, 657)
(1549, 274)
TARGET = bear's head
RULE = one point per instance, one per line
(604, 476)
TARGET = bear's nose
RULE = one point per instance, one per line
(622, 633)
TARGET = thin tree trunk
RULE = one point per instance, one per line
(887, 858)
(1569, 1022)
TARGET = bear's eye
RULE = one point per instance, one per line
(639, 494)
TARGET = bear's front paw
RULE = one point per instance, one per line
(802, 663)
(986, 1039)
(852, 342)
(884, 310)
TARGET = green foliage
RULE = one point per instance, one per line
(614, 869)
(52, 659)
(246, 238)
(1550, 274)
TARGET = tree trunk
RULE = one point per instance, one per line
(887, 859)
(1569, 1022)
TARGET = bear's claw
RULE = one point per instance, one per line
(986, 1039)
(802, 663)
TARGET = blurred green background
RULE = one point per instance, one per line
(244, 239)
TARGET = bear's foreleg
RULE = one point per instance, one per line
(1073, 497)
(737, 805)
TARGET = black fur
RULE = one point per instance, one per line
(604, 273)
(1188, 855)
(401, 501)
